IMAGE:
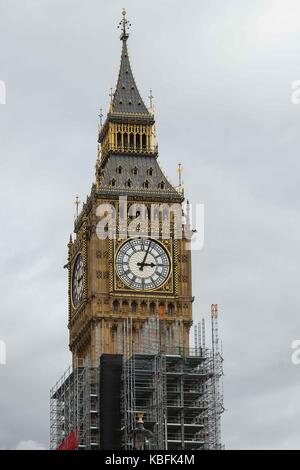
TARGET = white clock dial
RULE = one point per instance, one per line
(77, 281)
(142, 264)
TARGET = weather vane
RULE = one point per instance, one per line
(124, 25)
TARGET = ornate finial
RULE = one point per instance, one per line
(111, 95)
(100, 117)
(77, 203)
(151, 99)
(180, 171)
(124, 25)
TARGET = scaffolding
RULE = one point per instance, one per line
(178, 390)
(74, 408)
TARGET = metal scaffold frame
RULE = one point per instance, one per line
(177, 390)
(74, 408)
(183, 399)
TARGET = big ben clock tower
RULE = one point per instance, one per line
(134, 265)
(135, 382)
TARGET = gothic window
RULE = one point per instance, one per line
(125, 140)
(161, 185)
(150, 171)
(135, 170)
(146, 184)
(131, 140)
(119, 139)
(138, 141)
(113, 182)
(129, 184)
(144, 141)
(152, 308)
(171, 309)
(119, 170)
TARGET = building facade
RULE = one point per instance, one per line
(130, 301)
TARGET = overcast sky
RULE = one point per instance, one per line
(221, 74)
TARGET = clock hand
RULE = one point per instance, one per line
(147, 264)
(151, 264)
(142, 264)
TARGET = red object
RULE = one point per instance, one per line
(70, 443)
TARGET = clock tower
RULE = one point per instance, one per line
(135, 382)
(129, 258)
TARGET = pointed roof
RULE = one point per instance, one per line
(127, 98)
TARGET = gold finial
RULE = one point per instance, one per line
(124, 25)
(77, 203)
(180, 171)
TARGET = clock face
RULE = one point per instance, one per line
(77, 281)
(143, 264)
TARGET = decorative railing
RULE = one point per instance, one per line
(143, 149)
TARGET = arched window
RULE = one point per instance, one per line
(125, 140)
(161, 185)
(171, 309)
(144, 307)
(146, 184)
(115, 306)
(131, 140)
(152, 308)
(133, 307)
(113, 182)
(135, 170)
(119, 170)
(138, 141)
(144, 141)
(150, 171)
(129, 184)
(119, 139)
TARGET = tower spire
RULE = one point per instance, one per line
(126, 99)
